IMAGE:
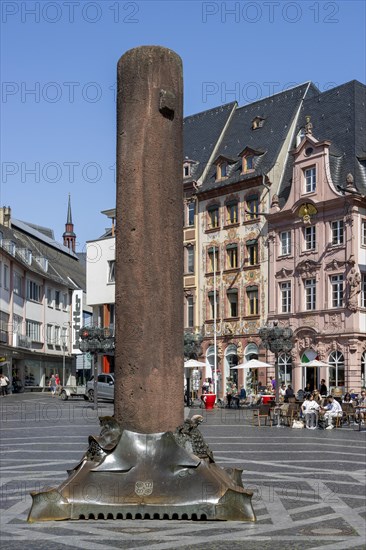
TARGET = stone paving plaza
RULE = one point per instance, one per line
(309, 486)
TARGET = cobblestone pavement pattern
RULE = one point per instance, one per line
(309, 486)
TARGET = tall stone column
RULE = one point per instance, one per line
(149, 250)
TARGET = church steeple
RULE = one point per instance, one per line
(69, 235)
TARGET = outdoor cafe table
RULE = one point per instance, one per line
(266, 399)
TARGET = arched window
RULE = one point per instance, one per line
(231, 359)
(285, 368)
(363, 370)
(336, 370)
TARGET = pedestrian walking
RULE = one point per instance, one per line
(4, 382)
(52, 384)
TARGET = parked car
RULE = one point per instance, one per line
(105, 387)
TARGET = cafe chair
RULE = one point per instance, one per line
(262, 412)
(348, 413)
(291, 414)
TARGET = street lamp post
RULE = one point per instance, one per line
(277, 340)
(96, 340)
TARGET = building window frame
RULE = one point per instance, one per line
(286, 296)
(252, 293)
(211, 304)
(190, 259)
(191, 212)
(337, 232)
(285, 243)
(232, 212)
(33, 330)
(252, 207)
(310, 238)
(210, 259)
(310, 179)
(34, 291)
(233, 302)
(111, 272)
(310, 294)
(337, 290)
(363, 290)
(232, 256)
(190, 311)
(213, 217)
(252, 252)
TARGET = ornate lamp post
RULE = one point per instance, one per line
(96, 340)
(277, 340)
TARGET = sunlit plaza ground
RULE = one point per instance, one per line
(309, 486)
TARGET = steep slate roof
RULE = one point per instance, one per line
(278, 112)
(200, 135)
(337, 115)
(64, 266)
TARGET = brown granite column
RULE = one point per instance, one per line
(149, 248)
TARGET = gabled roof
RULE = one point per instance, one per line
(278, 111)
(64, 267)
(339, 116)
(201, 133)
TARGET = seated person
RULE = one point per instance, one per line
(282, 390)
(332, 410)
(310, 409)
(323, 390)
(347, 398)
(289, 393)
(235, 396)
(242, 393)
(361, 402)
(301, 395)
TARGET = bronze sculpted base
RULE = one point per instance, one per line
(128, 475)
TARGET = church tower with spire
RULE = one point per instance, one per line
(69, 235)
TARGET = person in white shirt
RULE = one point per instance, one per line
(310, 409)
(333, 409)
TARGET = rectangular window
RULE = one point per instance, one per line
(17, 324)
(363, 290)
(337, 228)
(337, 290)
(213, 260)
(17, 284)
(253, 306)
(310, 180)
(190, 311)
(111, 271)
(64, 337)
(212, 308)
(310, 238)
(186, 170)
(310, 294)
(1, 274)
(4, 327)
(252, 208)
(232, 213)
(232, 256)
(252, 250)
(49, 297)
(191, 209)
(33, 291)
(285, 297)
(57, 335)
(232, 296)
(363, 232)
(6, 277)
(213, 217)
(57, 299)
(65, 301)
(33, 330)
(285, 240)
(49, 335)
(249, 162)
(190, 259)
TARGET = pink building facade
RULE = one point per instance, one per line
(317, 260)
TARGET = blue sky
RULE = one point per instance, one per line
(58, 72)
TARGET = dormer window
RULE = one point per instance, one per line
(186, 170)
(221, 170)
(257, 122)
(248, 159)
(248, 163)
(310, 179)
